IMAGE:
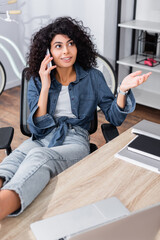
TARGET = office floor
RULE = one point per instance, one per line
(10, 108)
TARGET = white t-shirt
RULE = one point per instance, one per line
(63, 107)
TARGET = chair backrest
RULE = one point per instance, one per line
(24, 109)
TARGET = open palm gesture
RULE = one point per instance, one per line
(133, 80)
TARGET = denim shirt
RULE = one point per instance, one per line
(88, 91)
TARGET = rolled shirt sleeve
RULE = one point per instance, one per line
(39, 126)
(109, 106)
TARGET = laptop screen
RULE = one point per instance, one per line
(141, 225)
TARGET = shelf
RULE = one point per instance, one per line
(147, 98)
(130, 61)
(147, 94)
(142, 25)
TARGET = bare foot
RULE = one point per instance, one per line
(9, 203)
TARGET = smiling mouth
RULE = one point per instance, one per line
(66, 59)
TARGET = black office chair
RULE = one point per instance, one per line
(6, 136)
(109, 131)
(24, 112)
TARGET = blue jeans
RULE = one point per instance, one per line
(29, 168)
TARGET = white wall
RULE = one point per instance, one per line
(91, 12)
(148, 10)
(36, 14)
(10, 31)
(99, 15)
(110, 30)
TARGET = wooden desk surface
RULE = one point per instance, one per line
(98, 176)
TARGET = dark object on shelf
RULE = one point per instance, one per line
(150, 44)
(147, 49)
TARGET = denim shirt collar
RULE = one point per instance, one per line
(80, 72)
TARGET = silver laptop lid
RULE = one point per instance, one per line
(77, 220)
(141, 225)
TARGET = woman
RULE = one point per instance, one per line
(62, 99)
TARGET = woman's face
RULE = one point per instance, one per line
(63, 50)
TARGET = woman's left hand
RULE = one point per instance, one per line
(133, 80)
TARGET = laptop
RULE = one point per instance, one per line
(78, 220)
(140, 225)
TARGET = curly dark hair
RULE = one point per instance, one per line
(86, 49)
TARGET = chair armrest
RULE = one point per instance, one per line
(109, 131)
(6, 136)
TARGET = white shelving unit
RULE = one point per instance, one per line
(130, 61)
(141, 25)
(149, 94)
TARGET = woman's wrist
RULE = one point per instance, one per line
(122, 90)
(45, 88)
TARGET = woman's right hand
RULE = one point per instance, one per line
(44, 72)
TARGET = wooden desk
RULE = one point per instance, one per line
(96, 177)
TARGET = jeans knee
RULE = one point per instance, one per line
(41, 153)
(35, 150)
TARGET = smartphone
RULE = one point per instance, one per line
(50, 64)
